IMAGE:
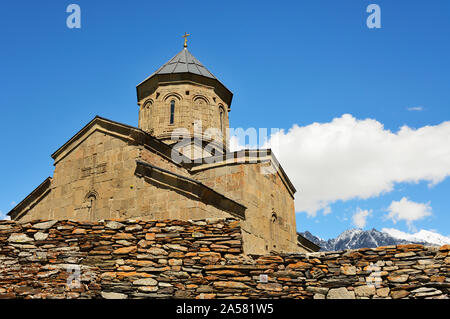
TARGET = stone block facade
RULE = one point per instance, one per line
(97, 180)
(270, 224)
(193, 103)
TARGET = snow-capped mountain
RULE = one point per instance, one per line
(422, 235)
(357, 238)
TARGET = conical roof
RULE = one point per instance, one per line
(184, 62)
(184, 66)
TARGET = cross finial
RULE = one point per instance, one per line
(185, 39)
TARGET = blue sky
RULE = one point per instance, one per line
(287, 62)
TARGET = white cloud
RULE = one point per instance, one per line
(415, 108)
(360, 217)
(235, 145)
(408, 211)
(3, 215)
(349, 158)
(326, 211)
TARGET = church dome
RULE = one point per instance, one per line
(184, 62)
(183, 67)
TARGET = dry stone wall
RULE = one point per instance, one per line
(200, 259)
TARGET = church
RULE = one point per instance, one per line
(170, 167)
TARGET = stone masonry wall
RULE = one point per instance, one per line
(200, 259)
(193, 102)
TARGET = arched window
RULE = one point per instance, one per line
(145, 115)
(172, 112)
(91, 199)
(221, 114)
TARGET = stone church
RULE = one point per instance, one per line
(170, 168)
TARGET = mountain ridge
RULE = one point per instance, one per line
(358, 238)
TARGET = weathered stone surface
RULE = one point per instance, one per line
(398, 278)
(340, 293)
(397, 294)
(365, 291)
(115, 263)
(348, 270)
(113, 295)
(45, 225)
(19, 238)
(434, 292)
(40, 236)
(133, 228)
(157, 251)
(270, 287)
(79, 231)
(402, 255)
(114, 225)
(148, 288)
(145, 282)
(426, 292)
(268, 259)
(318, 290)
(175, 247)
(230, 284)
(299, 265)
(407, 247)
(383, 292)
(125, 250)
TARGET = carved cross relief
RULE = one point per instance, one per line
(95, 170)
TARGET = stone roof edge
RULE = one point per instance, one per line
(307, 244)
(185, 77)
(241, 207)
(35, 195)
(151, 75)
(283, 173)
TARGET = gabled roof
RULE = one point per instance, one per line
(120, 130)
(96, 120)
(34, 197)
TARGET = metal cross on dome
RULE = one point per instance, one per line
(185, 38)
